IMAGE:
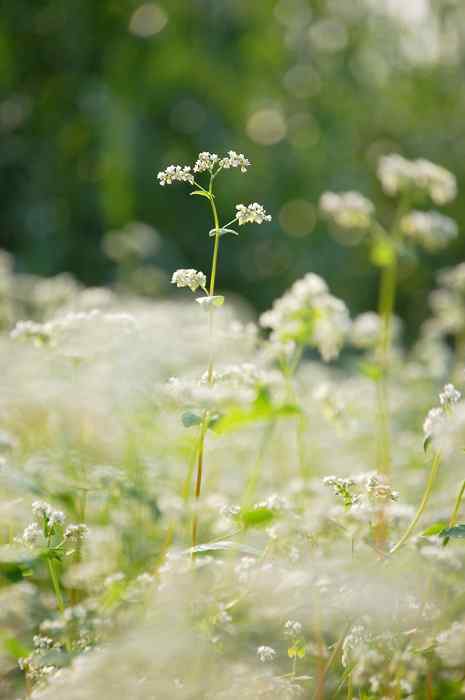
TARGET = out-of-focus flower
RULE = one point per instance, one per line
(430, 228)
(399, 175)
(348, 209)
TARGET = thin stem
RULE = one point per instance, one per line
(206, 415)
(458, 503)
(424, 502)
(56, 585)
(198, 479)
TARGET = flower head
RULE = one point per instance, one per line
(265, 653)
(175, 173)
(347, 210)
(235, 160)
(251, 214)
(205, 161)
(399, 175)
(189, 278)
(431, 229)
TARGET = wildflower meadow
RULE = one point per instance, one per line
(199, 502)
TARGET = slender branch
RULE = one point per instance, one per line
(424, 502)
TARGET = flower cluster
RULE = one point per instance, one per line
(189, 278)
(435, 420)
(235, 160)
(309, 315)
(448, 302)
(343, 487)
(175, 173)
(399, 176)
(431, 229)
(347, 210)
(251, 214)
(265, 653)
(205, 161)
(366, 330)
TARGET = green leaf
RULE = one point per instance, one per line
(434, 529)
(207, 302)
(427, 443)
(223, 546)
(457, 532)
(222, 232)
(202, 193)
(257, 517)
(239, 417)
(189, 418)
(15, 648)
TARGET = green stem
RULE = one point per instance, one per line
(424, 502)
(56, 585)
(256, 471)
(458, 502)
(206, 415)
(198, 479)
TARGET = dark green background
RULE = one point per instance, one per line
(90, 111)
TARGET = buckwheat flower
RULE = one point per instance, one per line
(450, 645)
(431, 229)
(205, 161)
(449, 395)
(251, 214)
(189, 278)
(453, 278)
(377, 488)
(292, 628)
(399, 175)
(77, 533)
(39, 333)
(42, 642)
(347, 210)
(175, 173)
(32, 534)
(235, 160)
(308, 315)
(366, 330)
(265, 654)
(434, 421)
(40, 509)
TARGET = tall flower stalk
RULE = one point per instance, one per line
(210, 165)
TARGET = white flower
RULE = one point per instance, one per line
(189, 278)
(32, 534)
(205, 161)
(43, 510)
(292, 628)
(434, 421)
(175, 173)
(366, 329)
(265, 653)
(399, 175)
(77, 533)
(251, 214)
(348, 209)
(308, 314)
(235, 160)
(431, 229)
(449, 395)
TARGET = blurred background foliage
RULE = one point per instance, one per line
(96, 97)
